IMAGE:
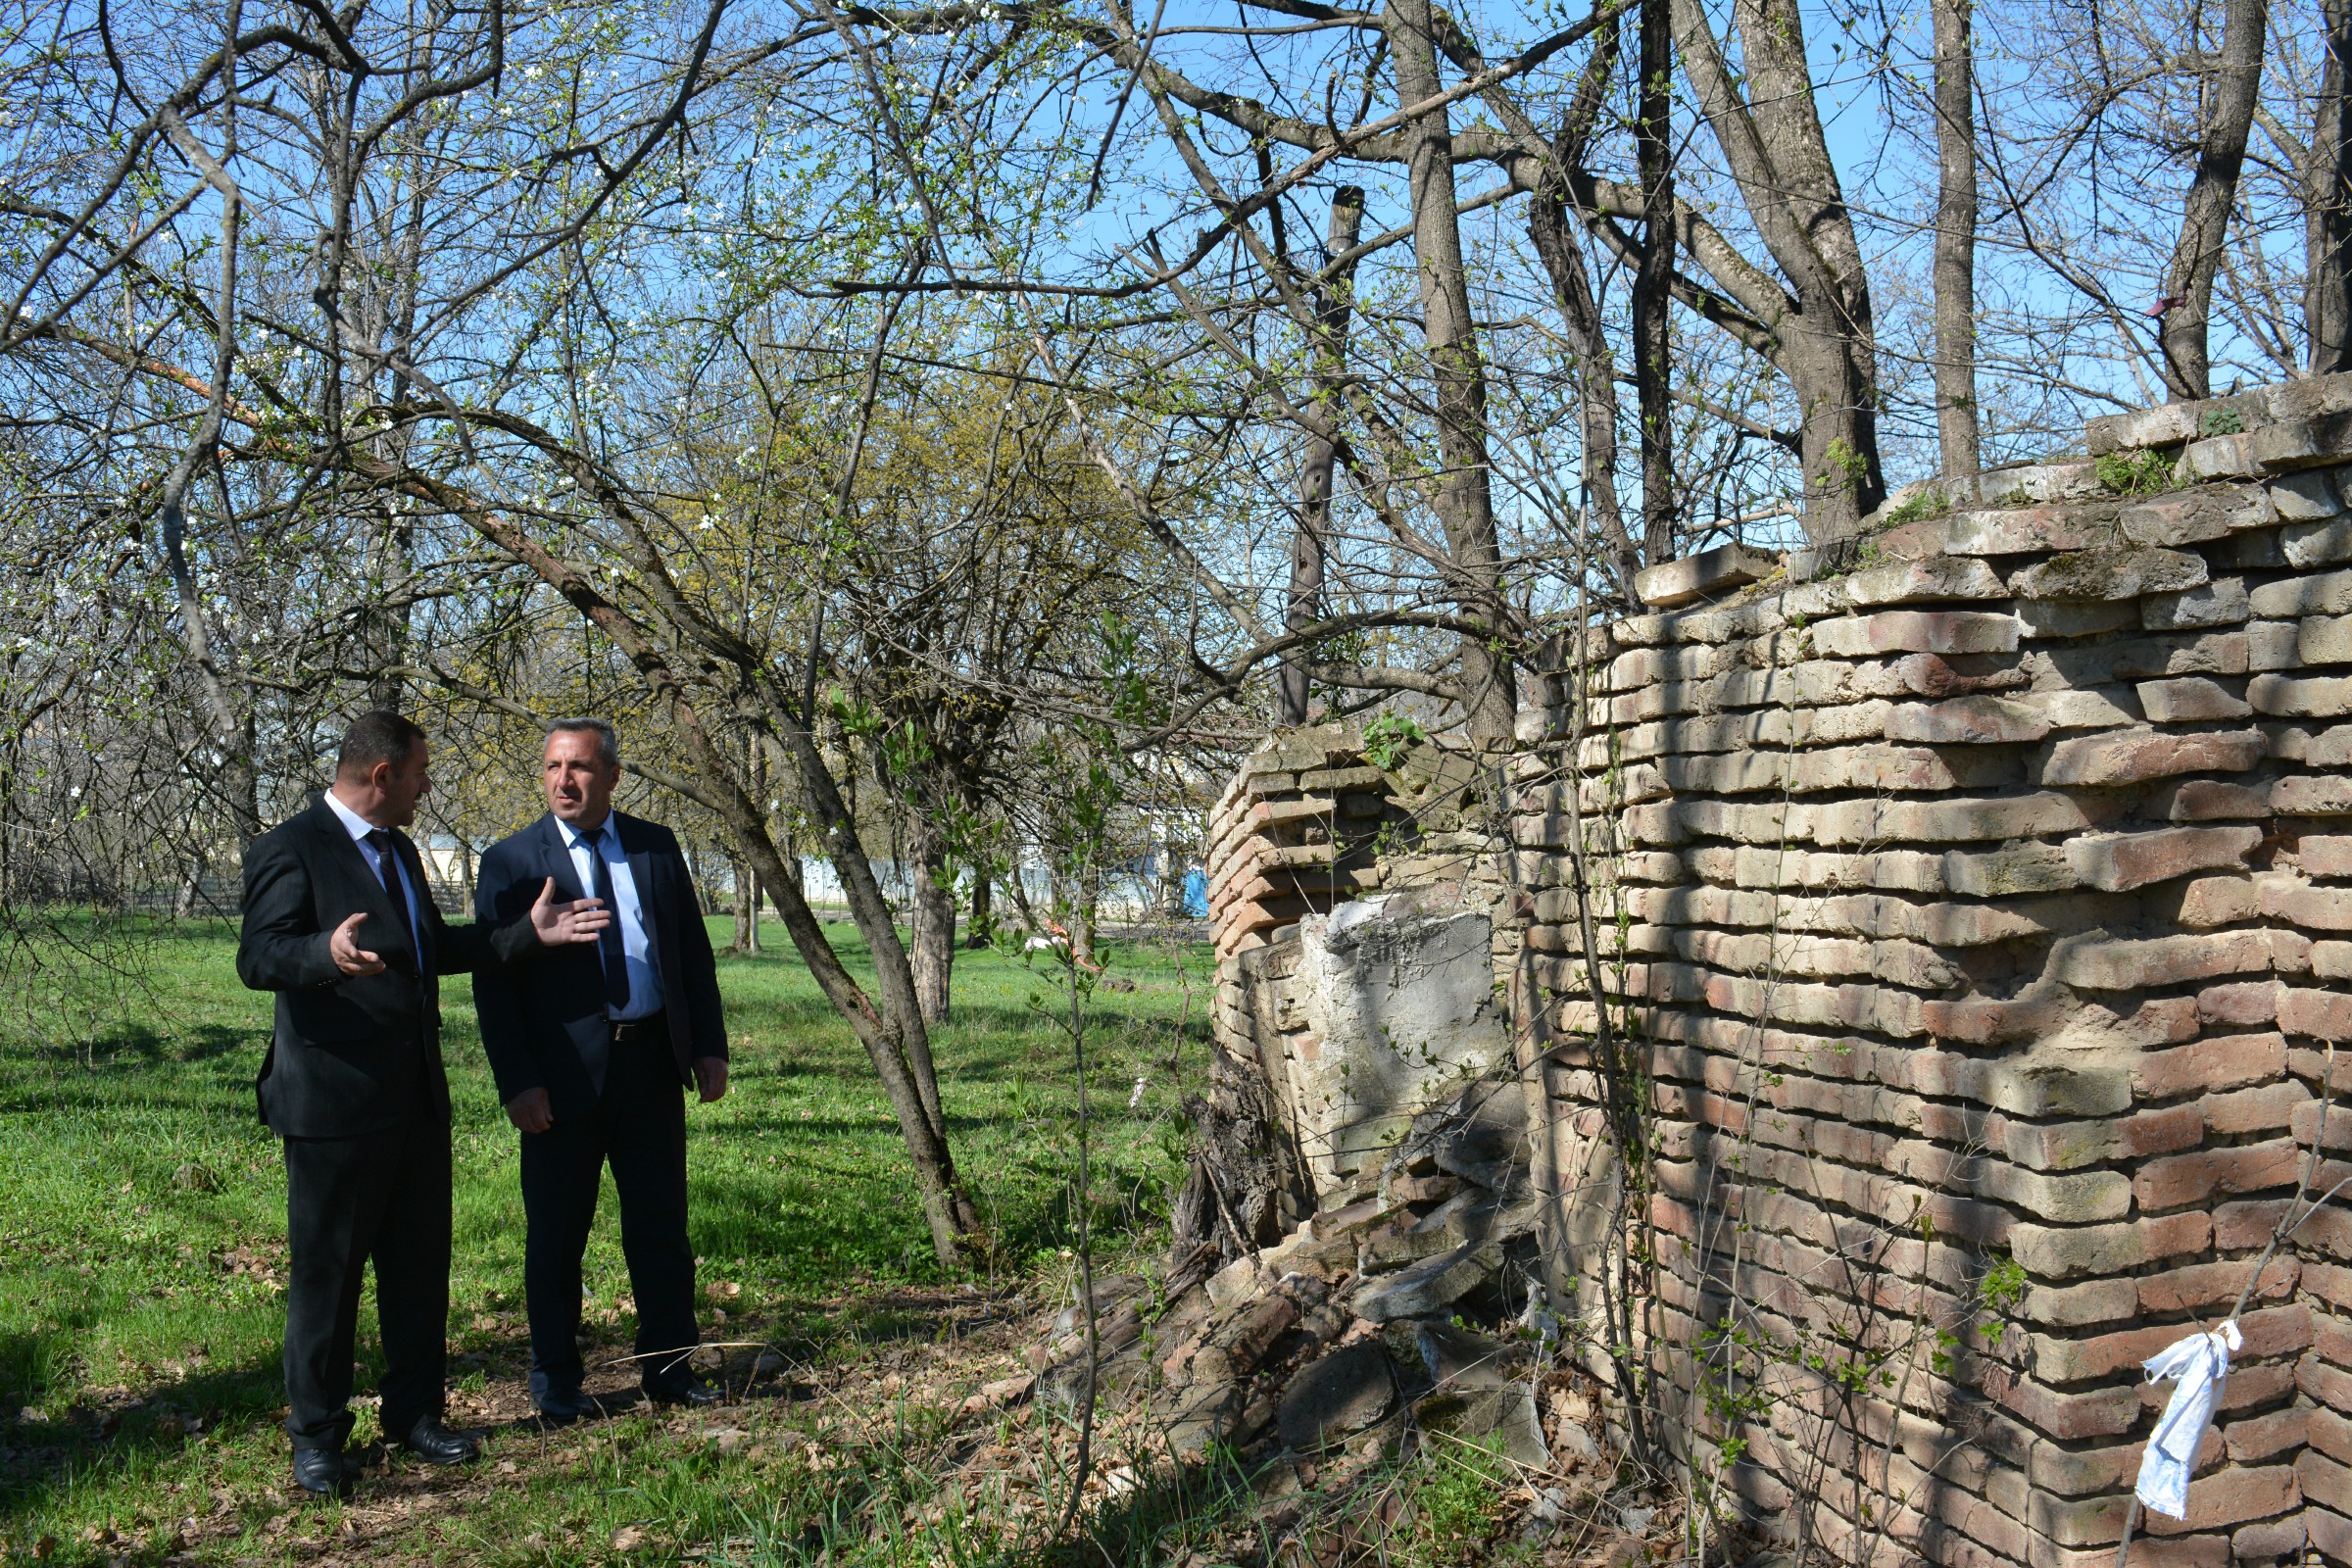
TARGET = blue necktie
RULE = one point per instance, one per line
(607, 945)
(387, 867)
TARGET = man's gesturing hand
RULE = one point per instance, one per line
(343, 945)
(530, 1113)
(711, 1077)
(580, 920)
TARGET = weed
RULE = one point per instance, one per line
(1389, 737)
(1928, 502)
(2136, 473)
(2221, 421)
(1460, 1500)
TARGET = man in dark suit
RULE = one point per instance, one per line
(352, 1082)
(591, 1047)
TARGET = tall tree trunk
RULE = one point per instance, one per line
(984, 911)
(747, 907)
(391, 553)
(836, 821)
(1956, 430)
(932, 920)
(2226, 93)
(2328, 213)
(746, 881)
(1558, 248)
(1653, 277)
(1335, 301)
(1768, 123)
(1465, 502)
(1563, 258)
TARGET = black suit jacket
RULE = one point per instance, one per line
(544, 1023)
(351, 1054)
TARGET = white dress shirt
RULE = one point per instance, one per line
(359, 827)
(636, 943)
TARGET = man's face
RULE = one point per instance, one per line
(580, 785)
(403, 784)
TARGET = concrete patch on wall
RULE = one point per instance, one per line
(1402, 1010)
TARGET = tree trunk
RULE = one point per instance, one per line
(1654, 278)
(1596, 362)
(1556, 245)
(982, 928)
(2227, 92)
(1464, 499)
(747, 908)
(385, 629)
(1019, 890)
(1248, 1183)
(1771, 140)
(1956, 430)
(869, 907)
(756, 757)
(932, 921)
(2327, 218)
(1335, 299)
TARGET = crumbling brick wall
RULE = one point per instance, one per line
(1307, 823)
(1972, 889)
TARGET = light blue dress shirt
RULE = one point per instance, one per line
(359, 827)
(636, 943)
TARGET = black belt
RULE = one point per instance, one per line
(653, 1027)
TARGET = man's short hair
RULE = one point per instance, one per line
(608, 739)
(378, 735)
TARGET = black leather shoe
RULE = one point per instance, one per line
(563, 1408)
(428, 1439)
(321, 1473)
(693, 1393)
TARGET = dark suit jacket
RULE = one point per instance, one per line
(350, 1054)
(544, 1023)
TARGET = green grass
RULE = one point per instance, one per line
(142, 1216)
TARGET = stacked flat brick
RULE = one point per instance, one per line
(1981, 888)
(1293, 834)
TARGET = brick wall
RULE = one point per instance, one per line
(1979, 889)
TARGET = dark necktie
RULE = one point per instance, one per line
(386, 866)
(607, 945)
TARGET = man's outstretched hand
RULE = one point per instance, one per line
(580, 920)
(343, 945)
(530, 1113)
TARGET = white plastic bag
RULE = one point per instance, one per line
(2201, 1363)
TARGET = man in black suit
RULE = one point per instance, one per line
(591, 1049)
(352, 1082)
